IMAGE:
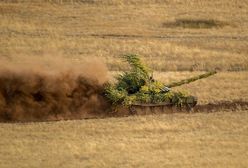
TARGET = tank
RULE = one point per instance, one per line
(138, 91)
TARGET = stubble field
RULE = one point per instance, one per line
(178, 39)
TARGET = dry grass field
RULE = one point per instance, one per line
(177, 39)
(84, 29)
(178, 140)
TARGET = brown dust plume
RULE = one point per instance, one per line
(53, 89)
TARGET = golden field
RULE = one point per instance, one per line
(84, 29)
(178, 140)
(178, 39)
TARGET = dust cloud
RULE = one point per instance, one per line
(51, 88)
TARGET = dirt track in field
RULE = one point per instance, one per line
(95, 112)
(235, 105)
(168, 37)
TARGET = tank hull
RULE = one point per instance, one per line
(165, 107)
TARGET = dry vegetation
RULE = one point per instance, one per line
(176, 38)
(83, 29)
(179, 140)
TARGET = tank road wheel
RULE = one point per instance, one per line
(191, 101)
(132, 110)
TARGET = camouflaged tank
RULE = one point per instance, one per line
(137, 89)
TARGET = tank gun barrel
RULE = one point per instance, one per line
(189, 80)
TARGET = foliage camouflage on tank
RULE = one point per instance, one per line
(137, 87)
